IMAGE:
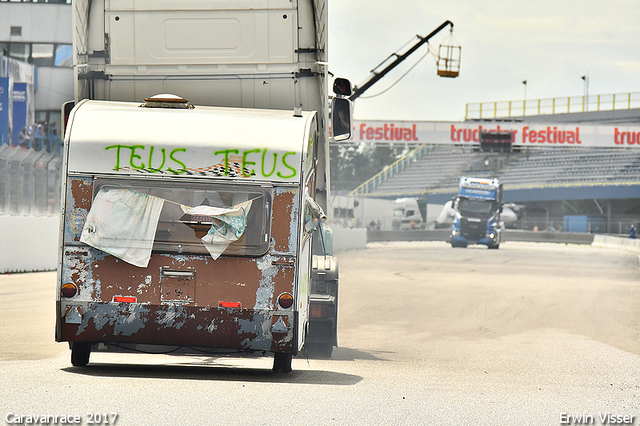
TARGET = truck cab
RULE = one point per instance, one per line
(478, 207)
(409, 213)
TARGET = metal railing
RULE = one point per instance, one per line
(390, 171)
(29, 181)
(571, 104)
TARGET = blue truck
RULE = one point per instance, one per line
(478, 207)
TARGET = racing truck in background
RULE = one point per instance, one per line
(477, 207)
(409, 213)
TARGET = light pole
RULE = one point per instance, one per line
(585, 100)
(524, 102)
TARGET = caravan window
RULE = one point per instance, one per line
(180, 231)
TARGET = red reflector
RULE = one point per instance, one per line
(229, 305)
(319, 311)
(125, 299)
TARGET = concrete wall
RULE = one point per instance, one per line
(28, 244)
(618, 243)
(348, 239)
(509, 235)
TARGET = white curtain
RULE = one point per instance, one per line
(123, 223)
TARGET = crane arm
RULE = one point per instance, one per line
(399, 58)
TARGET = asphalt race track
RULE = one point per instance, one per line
(536, 334)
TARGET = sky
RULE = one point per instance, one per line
(550, 44)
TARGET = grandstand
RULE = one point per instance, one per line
(547, 182)
(437, 173)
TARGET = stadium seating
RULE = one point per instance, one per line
(441, 167)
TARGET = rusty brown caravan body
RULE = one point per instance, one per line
(126, 289)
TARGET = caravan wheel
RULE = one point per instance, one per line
(80, 353)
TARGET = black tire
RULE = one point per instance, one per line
(282, 362)
(494, 247)
(80, 353)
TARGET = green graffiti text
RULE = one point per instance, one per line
(153, 160)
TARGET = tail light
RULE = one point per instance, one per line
(285, 300)
(69, 290)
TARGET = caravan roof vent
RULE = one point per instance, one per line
(166, 100)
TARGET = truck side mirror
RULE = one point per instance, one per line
(341, 119)
(342, 87)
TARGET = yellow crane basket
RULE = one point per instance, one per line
(448, 61)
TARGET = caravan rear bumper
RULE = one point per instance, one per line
(177, 325)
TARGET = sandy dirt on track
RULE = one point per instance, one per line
(27, 316)
(427, 292)
(417, 294)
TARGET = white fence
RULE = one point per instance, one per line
(28, 243)
(29, 181)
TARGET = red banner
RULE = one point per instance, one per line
(522, 134)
